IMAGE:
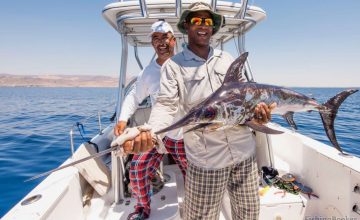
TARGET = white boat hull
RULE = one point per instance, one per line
(331, 175)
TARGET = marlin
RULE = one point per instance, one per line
(234, 102)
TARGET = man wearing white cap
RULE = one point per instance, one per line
(144, 165)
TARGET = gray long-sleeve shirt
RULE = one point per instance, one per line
(186, 80)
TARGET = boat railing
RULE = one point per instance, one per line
(136, 53)
(79, 126)
(144, 11)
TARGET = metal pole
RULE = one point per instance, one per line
(143, 8)
(153, 57)
(117, 180)
(213, 5)
(99, 121)
(241, 40)
(116, 162)
(178, 8)
(242, 12)
(161, 167)
(247, 69)
(137, 57)
(72, 142)
(122, 77)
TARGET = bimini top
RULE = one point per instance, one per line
(133, 18)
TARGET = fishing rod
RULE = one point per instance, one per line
(129, 134)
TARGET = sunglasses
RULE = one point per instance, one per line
(198, 21)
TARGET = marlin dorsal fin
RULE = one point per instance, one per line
(234, 73)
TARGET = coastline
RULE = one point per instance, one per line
(88, 81)
(8, 80)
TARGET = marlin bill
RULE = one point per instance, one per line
(234, 102)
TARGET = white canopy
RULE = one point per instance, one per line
(134, 18)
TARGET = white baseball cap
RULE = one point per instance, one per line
(161, 27)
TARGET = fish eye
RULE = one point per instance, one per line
(209, 113)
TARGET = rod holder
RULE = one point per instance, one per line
(357, 189)
(356, 209)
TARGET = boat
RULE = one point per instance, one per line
(96, 189)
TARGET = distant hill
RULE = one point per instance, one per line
(8, 80)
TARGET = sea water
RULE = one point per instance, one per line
(35, 125)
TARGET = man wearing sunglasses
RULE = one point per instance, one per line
(218, 160)
(143, 166)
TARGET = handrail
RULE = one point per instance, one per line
(71, 132)
(117, 175)
(242, 11)
(178, 8)
(137, 57)
(213, 5)
(153, 57)
(143, 8)
(123, 67)
(116, 172)
(72, 142)
(99, 123)
(241, 39)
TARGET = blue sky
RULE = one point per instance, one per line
(301, 43)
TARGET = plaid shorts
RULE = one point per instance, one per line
(205, 188)
(144, 166)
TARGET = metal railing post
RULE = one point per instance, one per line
(116, 162)
(178, 8)
(242, 12)
(143, 8)
(99, 121)
(247, 69)
(153, 58)
(137, 57)
(241, 40)
(117, 178)
(122, 77)
(72, 142)
(213, 5)
(161, 167)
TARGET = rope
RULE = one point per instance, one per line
(81, 130)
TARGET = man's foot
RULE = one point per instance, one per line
(139, 214)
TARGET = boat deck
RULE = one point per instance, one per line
(166, 203)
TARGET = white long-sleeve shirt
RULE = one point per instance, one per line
(147, 84)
